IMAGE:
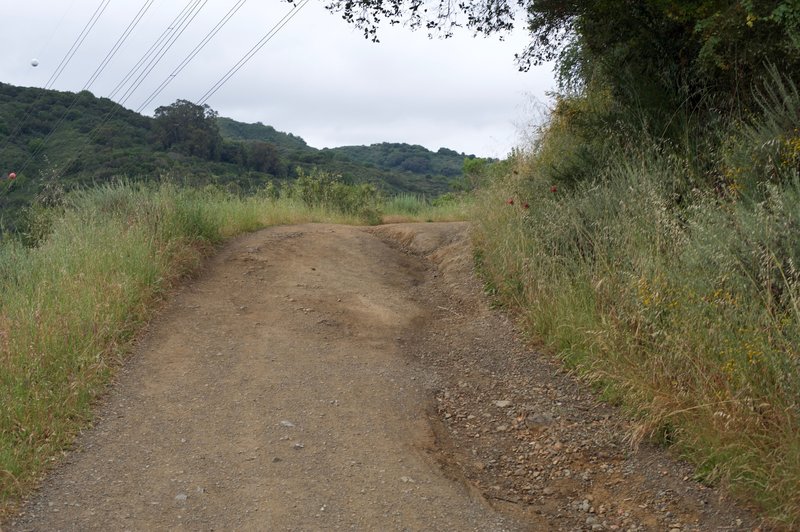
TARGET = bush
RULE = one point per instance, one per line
(321, 189)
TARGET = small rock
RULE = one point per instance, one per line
(181, 497)
(297, 446)
(287, 424)
(502, 428)
(276, 460)
(548, 491)
(407, 480)
(503, 404)
(538, 420)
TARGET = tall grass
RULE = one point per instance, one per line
(680, 302)
(406, 207)
(72, 304)
(367, 203)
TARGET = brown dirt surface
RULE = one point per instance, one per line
(323, 377)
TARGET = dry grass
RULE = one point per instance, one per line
(687, 315)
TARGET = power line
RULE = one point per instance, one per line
(103, 64)
(249, 55)
(166, 41)
(119, 43)
(55, 29)
(164, 35)
(176, 33)
(252, 52)
(61, 66)
(210, 35)
(77, 44)
(172, 29)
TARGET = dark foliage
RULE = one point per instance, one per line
(188, 128)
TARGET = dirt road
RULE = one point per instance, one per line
(323, 377)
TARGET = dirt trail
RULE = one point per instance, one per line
(324, 377)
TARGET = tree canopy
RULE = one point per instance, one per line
(188, 128)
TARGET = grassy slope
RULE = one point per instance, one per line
(681, 303)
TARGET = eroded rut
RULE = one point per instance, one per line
(324, 377)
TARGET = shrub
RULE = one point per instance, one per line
(321, 189)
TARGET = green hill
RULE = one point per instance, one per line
(59, 140)
(400, 167)
(233, 130)
(406, 158)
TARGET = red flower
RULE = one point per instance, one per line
(526, 206)
(12, 176)
(510, 201)
(554, 189)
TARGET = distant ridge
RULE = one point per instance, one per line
(98, 140)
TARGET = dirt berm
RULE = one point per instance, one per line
(323, 377)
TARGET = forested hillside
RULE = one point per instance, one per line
(406, 158)
(54, 141)
(403, 167)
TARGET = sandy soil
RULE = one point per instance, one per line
(323, 377)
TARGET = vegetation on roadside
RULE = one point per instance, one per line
(669, 276)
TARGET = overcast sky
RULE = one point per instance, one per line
(317, 78)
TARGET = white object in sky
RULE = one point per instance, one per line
(34, 62)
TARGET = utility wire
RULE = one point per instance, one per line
(55, 29)
(149, 52)
(77, 44)
(209, 36)
(60, 68)
(182, 17)
(190, 16)
(103, 64)
(171, 35)
(119, 43)
(166, 40)
(252, 52)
